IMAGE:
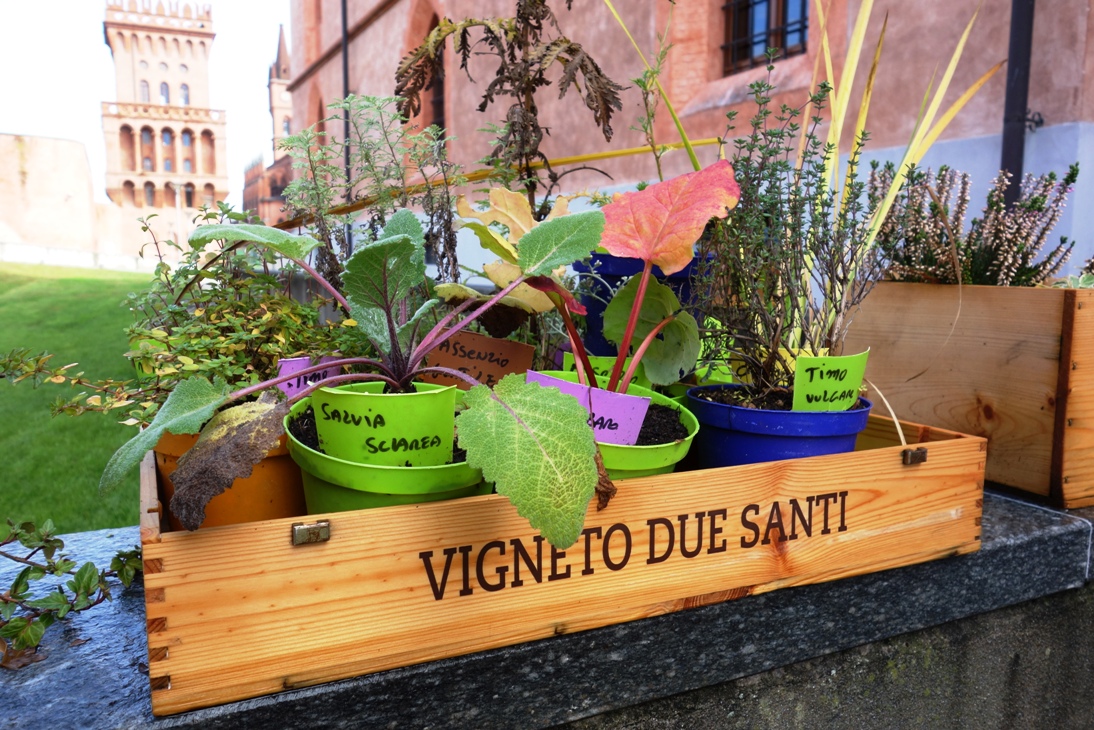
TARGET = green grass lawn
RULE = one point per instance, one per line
(50, 467)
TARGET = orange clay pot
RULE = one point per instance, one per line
(273, 490)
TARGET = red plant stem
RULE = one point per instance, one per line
(642, 351)
(252, 389)
(632, 322)
(458, 310)
(433, 340)
(585, 374)
(350, 378)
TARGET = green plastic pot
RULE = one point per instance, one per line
(362, 424)
(626, 462)
(335, 485)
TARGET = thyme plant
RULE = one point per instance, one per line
(786, 271)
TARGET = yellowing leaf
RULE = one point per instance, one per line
(57, 379)
(95, 400)
(506, 207)
(349, 322)
(503, 274)
(661, 223)
(186, 360)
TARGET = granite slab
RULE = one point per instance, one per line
(95, 674)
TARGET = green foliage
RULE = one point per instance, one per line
(559, 242)
(535, 444)
(1082, 281)
(926, 236)
(670, 356)
(24, 614)
(385, 155)
(794, 259)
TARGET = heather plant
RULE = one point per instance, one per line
(926, 236)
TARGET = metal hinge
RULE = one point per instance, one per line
(305, 534)
(913, 456)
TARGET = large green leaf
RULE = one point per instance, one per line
(186, 410)
(559, 242)
(405, 223)
(230, 445)
(535, 444)
(287, 244)
(379, 276)
(674, 351)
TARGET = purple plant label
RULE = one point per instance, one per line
(615, 418)
(291, 365)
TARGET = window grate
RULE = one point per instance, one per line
(753, 26)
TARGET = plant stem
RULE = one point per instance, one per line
(252, 389)
(632, 322)
(637, 359)
(585, 373)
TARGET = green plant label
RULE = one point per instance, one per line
(486, 359)
(829, 382)
(602, 366)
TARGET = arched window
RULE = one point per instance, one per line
(146, 136)
(210, 194)
(128, 148)
(165, 94)
(433, 106)
(145, 97)
(285, 126)
(187, 138)
(184, 94)
(146, 164)
(148, 149)
(208, 153)
(188, 195)
(170, 198)
(168, 138)
(149, 194)
(129, 193)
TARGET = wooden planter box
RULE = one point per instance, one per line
(240, 611)
(1017, 369)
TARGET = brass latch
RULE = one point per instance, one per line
(913, 456)
(304, 534)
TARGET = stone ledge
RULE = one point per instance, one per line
(1027, 552)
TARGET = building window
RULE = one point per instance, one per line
(187, 139)
(210, 195)
(285, 126)
(188, 195)
(168, 138)
(169, 165)
(144, 92)
(184, 94)
(165, 94)
(147, 164)
(149, 194)
(163, 66)
(146, 136)
(187, 166)
(184, 68)
(753, 26)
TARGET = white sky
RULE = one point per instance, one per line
(58, 70)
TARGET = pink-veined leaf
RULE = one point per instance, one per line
(661, 223)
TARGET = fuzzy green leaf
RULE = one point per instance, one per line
(492, 241)
(405, 223)
(378, 277)
(190, 405)
(234, 441)
(559, 242)
(674, 351)
(288, 245)
(535, 444)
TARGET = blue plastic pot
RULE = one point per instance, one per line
(734, 435)
(614, 271)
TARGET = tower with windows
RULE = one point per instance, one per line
(165, 148)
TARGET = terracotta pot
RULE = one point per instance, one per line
(273, 490)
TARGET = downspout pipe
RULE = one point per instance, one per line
(345, 117)
(1016, 103)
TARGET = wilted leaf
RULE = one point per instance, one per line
(550, 284)
(503, 274)
(674, 351)
(228, 448)
(187, 408)
(288, 245)
(11, 658)
(504, 316)
(535, 444)
(661, 223)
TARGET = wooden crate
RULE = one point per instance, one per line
(239, 611)
(1018, 369)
